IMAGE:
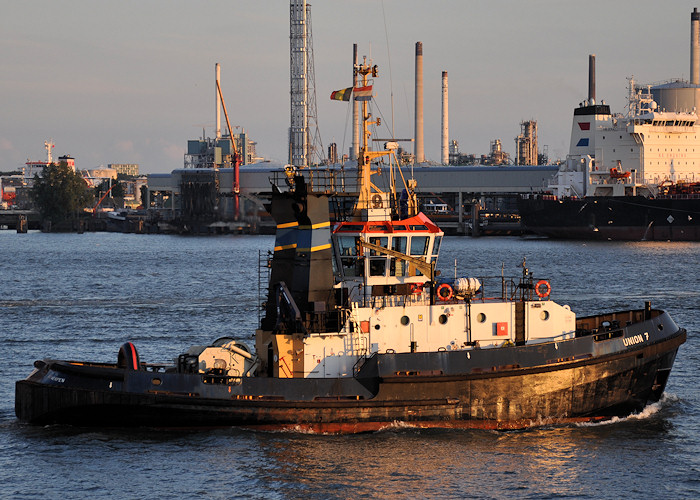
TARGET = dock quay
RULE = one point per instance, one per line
(19, 220)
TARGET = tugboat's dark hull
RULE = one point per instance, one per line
(633, 218)
(600, 374)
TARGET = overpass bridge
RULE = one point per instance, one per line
(488, 187)
(255, 180)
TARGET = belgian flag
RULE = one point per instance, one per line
(341, 95)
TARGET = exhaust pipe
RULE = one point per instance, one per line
(695, 47)
(445, 122)
(591, 79)
(420, 154)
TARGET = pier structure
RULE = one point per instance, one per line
(21, 220)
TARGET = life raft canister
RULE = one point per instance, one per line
(444, 292)
(543, 289)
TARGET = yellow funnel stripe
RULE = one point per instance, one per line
(315, 249)
(286, 247)
(316, 226)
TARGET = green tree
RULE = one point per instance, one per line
(118, 190)
(144, 196)
(60, 194)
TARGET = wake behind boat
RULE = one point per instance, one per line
(361, 331)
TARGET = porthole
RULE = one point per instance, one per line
(405, 320)
(481, 317)
(544, 315)
(660, 326)
(155, 381)
(442, 319)
(377, 327)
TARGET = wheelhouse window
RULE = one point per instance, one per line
(381, 241)
(436, 245)
(350, 260)
(419, 248)
(398, 267)
(419, 245)
(398, 243)
(347, 245)
(377, 260)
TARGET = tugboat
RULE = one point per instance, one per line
(361, 331)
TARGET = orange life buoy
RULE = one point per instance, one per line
(444, 292)
(416, 288)
(543, 293)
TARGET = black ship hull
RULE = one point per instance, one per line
(601, 373)
(633, 218)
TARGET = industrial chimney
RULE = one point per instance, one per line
(445, 122)
(591, 79)
(420, 155)
(695, 47)
(218, 101)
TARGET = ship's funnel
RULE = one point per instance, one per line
(695, 47)
(302, 258)
(591, 79)
(419, 152)
(445, 122)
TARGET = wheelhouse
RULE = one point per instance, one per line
(405, 241)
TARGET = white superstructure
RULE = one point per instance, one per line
(614, 155)
(657, 142)
(370, 259)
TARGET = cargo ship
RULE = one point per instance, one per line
(632, 177)
(361, 332)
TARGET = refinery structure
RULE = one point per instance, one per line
(213, 186)
(304, 137)
(223, 183)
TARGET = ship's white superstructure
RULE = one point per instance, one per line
(656, 143)
(615, 155)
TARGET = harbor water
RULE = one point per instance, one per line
(81, 296)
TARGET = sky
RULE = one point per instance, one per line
(133, 81)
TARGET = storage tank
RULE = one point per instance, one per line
(681, 95)
(677, 96)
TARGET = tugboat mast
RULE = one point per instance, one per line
(373, 202)
(364, 159)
